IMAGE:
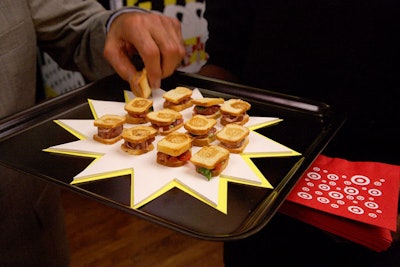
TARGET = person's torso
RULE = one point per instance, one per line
(312, 46)
(17, 57)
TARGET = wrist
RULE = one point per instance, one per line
(123, 11)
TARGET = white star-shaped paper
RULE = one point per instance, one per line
(150, 179)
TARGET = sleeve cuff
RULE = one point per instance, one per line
(122, 11)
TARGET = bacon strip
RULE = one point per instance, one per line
(140, 146)
(108, 133)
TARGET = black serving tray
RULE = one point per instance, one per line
(307, 127)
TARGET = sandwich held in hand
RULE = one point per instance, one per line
(207, 106)
(174, 150)
(109, 128)
(178, 99)
(140, 85)
(235, 111)
(165, 121)
(138, 139)
(201, 129)
(211, 160)
(137, 110)
(233, 137)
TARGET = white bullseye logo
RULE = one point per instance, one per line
(304, 195)
(324, 187)
(323, 200)
(333, 177)
(314, 175)
(360, 180)
(375, 192)
(335, 195)
(351, 190)
(355, 210)
(371, 205)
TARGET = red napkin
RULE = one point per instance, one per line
(354, 200)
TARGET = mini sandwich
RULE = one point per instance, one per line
(140, 85)
(165, 121)
(234, 137)
(137, 110)
(235, 111)
(178, 99)
(201, 129)
(211, 160)
(109, 128)
(138, 139)
(207, 106)
(174, 150)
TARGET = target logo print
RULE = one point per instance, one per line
(314, 175)
(351, 191)
(360, 180)
(365, 192)
(355, 195)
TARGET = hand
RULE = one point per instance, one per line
(155, 37)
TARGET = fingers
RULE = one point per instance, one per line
(156, 38)
(170, 44)
(118, 56)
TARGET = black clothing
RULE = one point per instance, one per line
(344, 53)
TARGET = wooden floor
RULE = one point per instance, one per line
(103, 236)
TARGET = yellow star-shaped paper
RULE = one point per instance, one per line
(150, 179)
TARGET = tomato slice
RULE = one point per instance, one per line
(218, 167)
(185, 156)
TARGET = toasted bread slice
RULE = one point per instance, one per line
(209, 156)
(235, 107)
(163, 117)
(109, 121)
(139, 134)
(233, 137)
(210, 161)
(199, 125)
(110, 128)
(174, 144)
(178, 94)
(201, 129)
(140, 85)
(234, 111)
(208, 101)
(138, 105)
(107, 141)
(232, 133)
(178, 99)
(137, 109)
(138, 139)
